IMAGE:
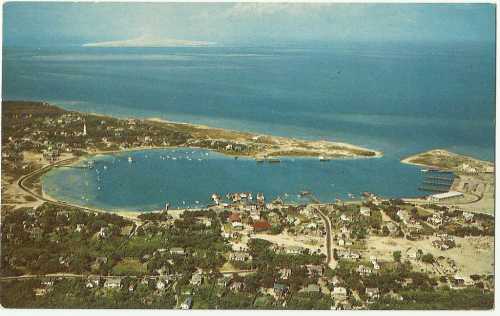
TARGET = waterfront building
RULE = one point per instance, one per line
(445, 196)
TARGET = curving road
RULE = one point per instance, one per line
(331, 262)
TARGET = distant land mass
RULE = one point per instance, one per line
(148, 41)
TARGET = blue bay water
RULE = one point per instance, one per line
(401, 98)
(151, 179)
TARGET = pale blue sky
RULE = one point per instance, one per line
(42, 24)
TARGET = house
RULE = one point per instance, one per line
(311, 288)
(314, 270)
(306, 212)
(99, 261)
(372, 293)
(36, 233)
(261, 225)
(444, 242)
(339, 293)
(312, 225)
(459, 281)
(41, 291)
(51, 155)
(113, 283)
(79, 228)
(132, 286)
(335, 281)
(413, 253)
(161, 284)
(196, 279)
(345, 218)
(294, 250)
(206, 221)
(104, 233)
(439, 244)
(392, 228)
(404, 216)
(234, 217)
(255, 215)
(280, 289)
(162, 270)
(467, 169)
(177, 251)
(237, 225)
(344, 230)
(365, 211)
(216, 198)
(240, 256)
(223, 281)
(239, 247)
(436, 219)
(93, 281)
(363, 270)
(345, 305)
(48, 283)
(227, 234)
(188, 303)
(285, 273)
(468, 217)
(260, 198)
(347, 254)
(237, 286)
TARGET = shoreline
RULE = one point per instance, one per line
(132, 214)
(439, 153)
(262, 146)
(334, 150)
(377, 153)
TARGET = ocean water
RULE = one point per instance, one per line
(401, 98)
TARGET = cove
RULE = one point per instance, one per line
(186, 177)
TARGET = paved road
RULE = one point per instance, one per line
(22, 179)
(332, 263)
(82, 276)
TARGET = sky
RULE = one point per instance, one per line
(75, 24)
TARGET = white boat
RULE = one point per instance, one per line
(130, 159)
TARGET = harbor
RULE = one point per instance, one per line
(162, 175)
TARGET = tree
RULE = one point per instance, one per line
(385, 231)
(397, 256)
(428, 258)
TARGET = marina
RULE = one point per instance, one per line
(168, 175)
(437, 181)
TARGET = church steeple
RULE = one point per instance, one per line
(84, 129)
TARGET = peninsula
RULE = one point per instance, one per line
(443, 159)
(104, 134)
(474, 178)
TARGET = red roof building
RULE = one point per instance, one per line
(261, 225)
(234, 217)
